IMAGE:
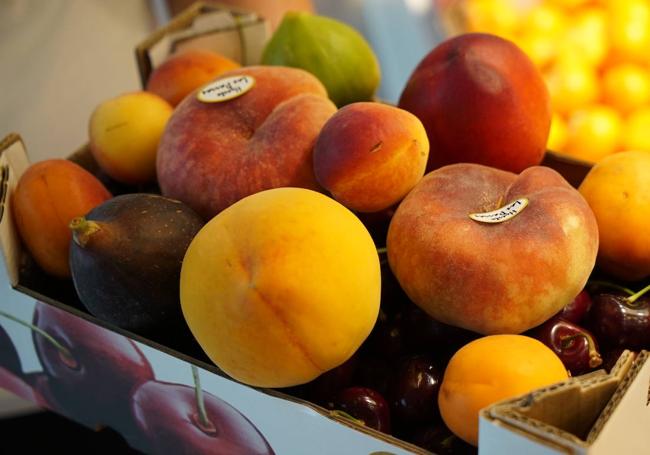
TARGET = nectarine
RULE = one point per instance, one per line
(482, 101)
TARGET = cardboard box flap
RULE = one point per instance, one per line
(569, 415)
(13, 162)
(236, 34)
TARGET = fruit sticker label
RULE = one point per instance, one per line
(503, 214)
(225, 89)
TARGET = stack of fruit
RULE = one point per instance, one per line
(329, 263)
(594, 57)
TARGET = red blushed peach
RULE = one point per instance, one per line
(482, 101)
(213, 154)
(370, 155)
(502, 277)
(183, 73)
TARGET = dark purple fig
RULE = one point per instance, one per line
(126, 257)
(366, 405)
(574, 345)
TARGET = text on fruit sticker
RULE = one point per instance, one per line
(225, 89)
(503, 214)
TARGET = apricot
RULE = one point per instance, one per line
(48, 195)
(124, 133)
(281, 287)
(370, 155)
(491, 369)
(181, 74)
(617, 190)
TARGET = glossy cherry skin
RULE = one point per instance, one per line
(324, 388)
(367, 405)
(167, 417)
(8, 355)
(414, 391)
(94, 385)
(577, 309)
(618, 323)
(574, 345)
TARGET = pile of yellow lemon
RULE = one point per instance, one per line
(595, 58)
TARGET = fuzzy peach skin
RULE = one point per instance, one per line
(181, 74)
(281, 287)
(481, 100)
(124, 134)
(618, 191)
(369, 155)
(48, 196)
(214, 154)
(492, 278)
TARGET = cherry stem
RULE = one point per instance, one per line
(634, 297)
(382, 250)
(594, 356)
(345, 415)
(62, 349)
(82, 229)
(200, 403)
(607, 284)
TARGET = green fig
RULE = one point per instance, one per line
(332, 51)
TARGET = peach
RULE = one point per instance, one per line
(213, 154)
(504, 276)
(482, 101)
(124, 135)
(281, 287)
(181, 74)
(370, 155)
(617, 190)
(48, 195)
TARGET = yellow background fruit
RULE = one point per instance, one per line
(626, 86)
(636, 132)
(618, 191)
(281, 287)
(593, 132)
(124, 135)
(491, 369)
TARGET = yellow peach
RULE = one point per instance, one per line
(124, 134)
(281, 287)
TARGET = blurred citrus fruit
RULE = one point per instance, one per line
(557, 136)
(626, 86)
(572, 84)
(636, 132)
(593, 132)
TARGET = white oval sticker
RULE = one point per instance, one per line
(503, 214)
(225, 89)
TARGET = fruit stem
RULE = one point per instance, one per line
(382, 250)
(594, 356)
(200, 403)
(82, 229)
(634, 297)
(607, 284)
(62, 349)
(345, 415)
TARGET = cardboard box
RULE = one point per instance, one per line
(588, 414)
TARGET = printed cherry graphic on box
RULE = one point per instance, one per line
(12, 378)
(176, 418)
(91, 371)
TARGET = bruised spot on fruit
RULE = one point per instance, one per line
(485, 77)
